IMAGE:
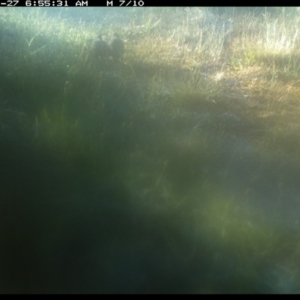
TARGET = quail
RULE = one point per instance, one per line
(100, 49)
(117, 47)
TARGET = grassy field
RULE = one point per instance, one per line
(174, 170)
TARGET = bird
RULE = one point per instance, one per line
(100, 49)
(117, 47)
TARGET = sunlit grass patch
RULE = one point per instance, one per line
(234, 225)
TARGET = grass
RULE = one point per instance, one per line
(162, 121)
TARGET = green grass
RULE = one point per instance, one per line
(157, 120)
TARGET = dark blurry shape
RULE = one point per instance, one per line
(230, 38)
(100, 49)
(117, 47)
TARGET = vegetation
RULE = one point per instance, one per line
(180, 160)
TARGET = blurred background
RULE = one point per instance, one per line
(172, 167)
